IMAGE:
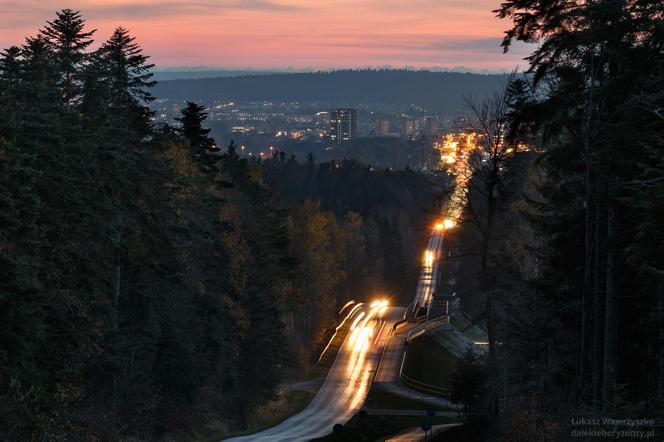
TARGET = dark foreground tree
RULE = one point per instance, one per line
(69, 41)
(468, 384)
(599, 71)
(486, 175)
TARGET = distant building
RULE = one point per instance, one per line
(343, 125)
(382, 128)
(431, 126)
(407, 128)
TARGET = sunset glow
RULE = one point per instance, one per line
(290, 33)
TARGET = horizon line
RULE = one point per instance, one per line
(294, 70)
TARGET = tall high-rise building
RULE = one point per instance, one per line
(407, 128)
(343, 125)
(431, 126)
(382, 128)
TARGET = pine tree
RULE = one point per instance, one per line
(589, 70)
(126, 68)
(22, 311)
(192, 129)
(67, 38)
(10, 80)
(468, 383)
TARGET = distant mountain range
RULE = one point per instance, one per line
(439, 92)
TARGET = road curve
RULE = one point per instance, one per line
(346, 385)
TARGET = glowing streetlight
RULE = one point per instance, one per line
(446, 224)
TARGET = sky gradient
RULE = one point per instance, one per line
(318, 34)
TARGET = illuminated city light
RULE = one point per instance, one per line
(454, 150)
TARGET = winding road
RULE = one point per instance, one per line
(347, 383)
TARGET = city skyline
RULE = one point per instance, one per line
(292, 34)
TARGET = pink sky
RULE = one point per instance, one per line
(290, 33)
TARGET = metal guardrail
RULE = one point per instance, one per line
(424, 387)
(427, 326)
(397, 324)
(468, 321)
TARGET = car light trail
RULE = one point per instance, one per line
(348, 304)
(359, 317)
(336, 330)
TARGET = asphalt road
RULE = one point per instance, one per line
(427, 280)
(388, 376)
(345, 388)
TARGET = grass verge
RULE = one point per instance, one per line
(380, 399)
(428, 362)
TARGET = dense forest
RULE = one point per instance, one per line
(395, 206)
(438, 92)
(561, 236)
(152, 284)
(156, 285)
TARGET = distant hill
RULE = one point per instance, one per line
(183, 74)
(441, 92)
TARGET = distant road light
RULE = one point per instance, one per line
(380, 303)
(445, 224)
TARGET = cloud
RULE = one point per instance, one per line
(184, 8)
(427, 43)
(463, 43)
(319, 33)
(24, 12)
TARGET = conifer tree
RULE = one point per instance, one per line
(68, 40)
(126, 68)
(589, 69)
(10, 77)
(193, 116)
(119, 78)
(468, 383)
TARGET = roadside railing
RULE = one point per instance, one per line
(424, 387)
(427, 327)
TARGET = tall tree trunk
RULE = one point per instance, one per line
(581, 376)
(588, 228)
(116, 301)
(610, 314)
(660, 352)
(116, 294)
(493, 357)
(490, 306)
(597, 317)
